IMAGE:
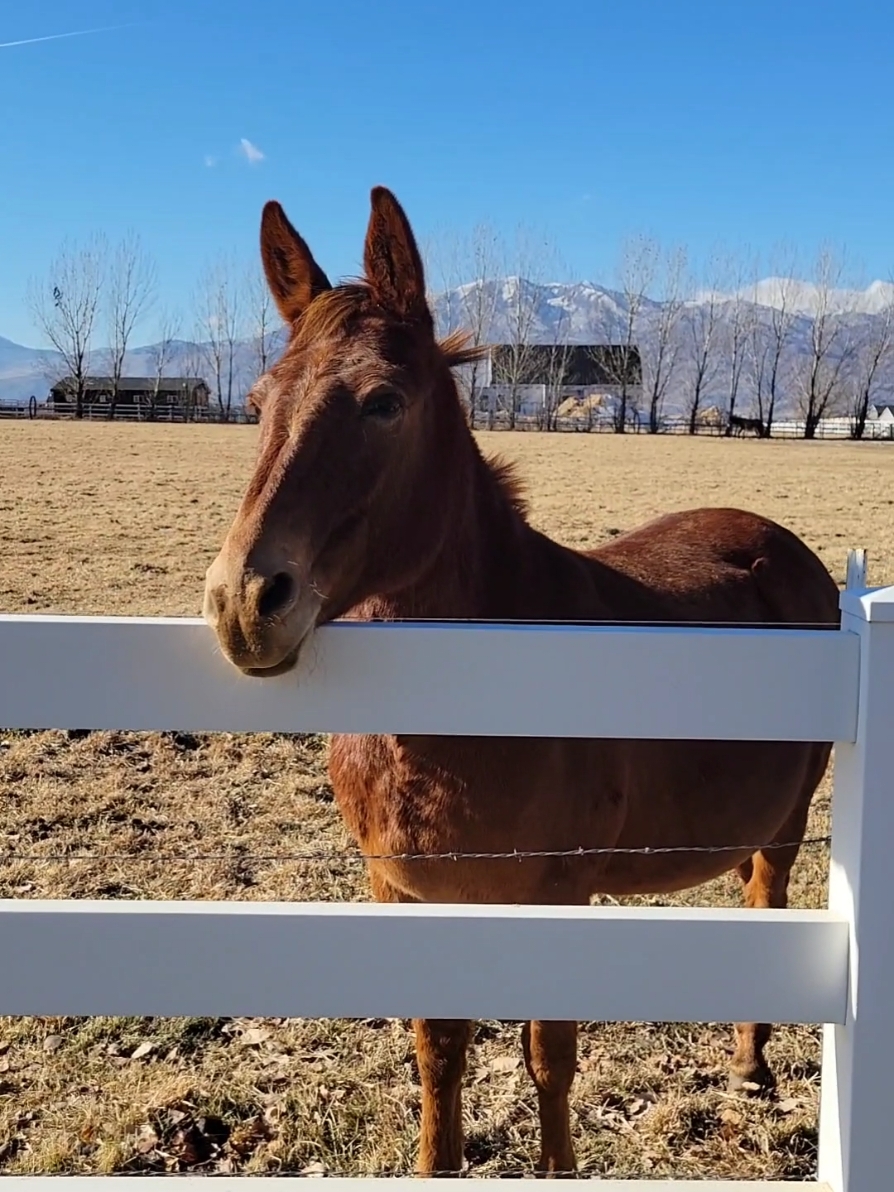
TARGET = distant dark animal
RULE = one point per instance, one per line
(740, 426)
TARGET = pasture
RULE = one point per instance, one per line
(112, 519)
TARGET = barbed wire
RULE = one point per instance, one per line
(334, 857)
(312, 1172)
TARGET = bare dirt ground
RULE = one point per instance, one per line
(124, 519)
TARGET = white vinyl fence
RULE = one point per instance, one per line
(185, 958)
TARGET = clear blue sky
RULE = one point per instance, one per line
(695, 121)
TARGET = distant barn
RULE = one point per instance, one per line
(138, 397)
(533, 378)
(567, 366)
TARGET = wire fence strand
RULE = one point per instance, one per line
(332, 857)
(313, 1171)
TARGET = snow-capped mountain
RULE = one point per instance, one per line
(513, 309)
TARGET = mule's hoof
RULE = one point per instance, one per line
(757, 1083)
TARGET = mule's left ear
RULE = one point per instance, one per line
(391, 259)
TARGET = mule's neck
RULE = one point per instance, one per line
(492, 565)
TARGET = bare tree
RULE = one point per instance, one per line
(873, 367)
(478, 303)
(831, 345)
(557, 364)
(635, 277)
(160, 355)
(192, 358)
(522, 294)
(777, 334)
(130, 292)
(701, 321)
(737, 328)
(65, 307)
(660, 361)
(262, 321)
(220, 324)
(468, 268)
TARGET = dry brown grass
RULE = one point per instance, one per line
(115, 519)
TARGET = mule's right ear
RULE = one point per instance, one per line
(293, 275)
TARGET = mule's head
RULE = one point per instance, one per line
(357, 418)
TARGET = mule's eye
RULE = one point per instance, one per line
(383, 406)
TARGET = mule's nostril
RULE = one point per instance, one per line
(277, 593)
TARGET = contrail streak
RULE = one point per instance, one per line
(30, 41)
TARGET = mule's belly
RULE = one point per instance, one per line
(711, 803)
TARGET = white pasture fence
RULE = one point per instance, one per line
(834, 966)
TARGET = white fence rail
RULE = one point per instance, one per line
(834, 966)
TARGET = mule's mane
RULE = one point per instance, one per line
(510, 484)
(334, 310)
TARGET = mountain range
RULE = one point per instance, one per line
(579, 312)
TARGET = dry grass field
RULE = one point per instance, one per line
(124, 519)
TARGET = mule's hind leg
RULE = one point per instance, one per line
(441, 1046)
(551, 1060)
(765, 877)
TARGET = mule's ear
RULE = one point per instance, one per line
(293, 275)
(391, 259)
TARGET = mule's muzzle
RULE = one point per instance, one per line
(261, 617)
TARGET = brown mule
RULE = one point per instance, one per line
(370, 499)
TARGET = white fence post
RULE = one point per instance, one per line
(857, 1101)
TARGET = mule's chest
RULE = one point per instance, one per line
(396, 800)
(426, 805)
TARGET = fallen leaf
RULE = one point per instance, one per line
(53, 1043)
(190, 1146)
(505, 1063)
(246, 1136)
(144, 1049)
(639, 1106)
(254, 1036)
(147, 1140)
(789, 1105)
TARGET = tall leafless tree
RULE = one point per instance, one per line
(262, 321)
(468, 268)
(831, 345)
(663, 342)
(557, 363)
(620, 325)
(130, 292)
(701, 321)
(220, 325)
(737, 328)
(522, 294)
(873, 367)
(161, 354)
(65, 306)
(772, 337)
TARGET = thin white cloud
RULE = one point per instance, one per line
(251, 152)
(210, 160)
(30, 41)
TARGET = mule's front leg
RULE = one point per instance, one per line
(441, 1046)
(551, 1059)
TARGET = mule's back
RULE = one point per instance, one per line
(721, 565)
